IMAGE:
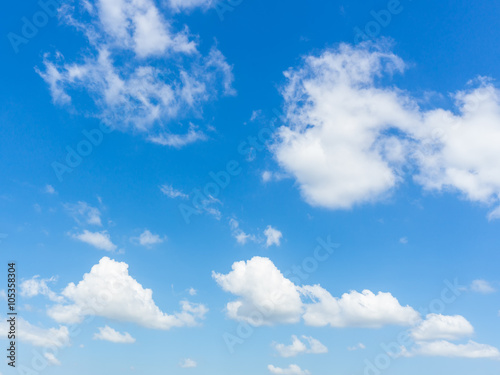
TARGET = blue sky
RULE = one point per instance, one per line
(252, 187)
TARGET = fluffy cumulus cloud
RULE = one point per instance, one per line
(290, 370)
(349, 136)
(437, 326)
(355, 309)
(109, 334)
(139, 71)
(37, 286)
(310, 346)
(109, 291)
(267, 297)
(100, 240)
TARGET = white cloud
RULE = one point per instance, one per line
(267, 176)
(482, 286)
(49, 189)
(188, 363)
(359, 346)
(264, 292)
(100, 240)
(447, 349)
(241, 237)
(437, 326)
(35, 286)
(187, 5)
(41, 337)
(273, 236)
(348, 137)
(109, 334)
(299, 347)
(291, 370)
(82, 212)
(51, 358)
(355, 309)
(147, 239)
(139, 72)
(266, 297)
(403, 240)
(178, 141)
(109, 291)
(170, 192)
(192, 291)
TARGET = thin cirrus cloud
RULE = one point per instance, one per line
(139, 73)
(349, 138)
(83, 213)
(310, 345)
(109, 291)
(100, 240)
(109, 334)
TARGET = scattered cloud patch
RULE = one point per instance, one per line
(290, 370)
(147, 239)
(170, 192)
(37, 286)
(359, 346)
(482, 286)
(83, 213)
(310, 346)
(109, 334)
(49, 189)
(141, 71)
(100, 240)
(444, 348)
(188, 363)
(273, 236)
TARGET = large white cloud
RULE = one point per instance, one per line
(349, 135)
(267, 297)
(138, 71)
(437, 326)
(109, 291)
(263, 291)
(355, 309)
